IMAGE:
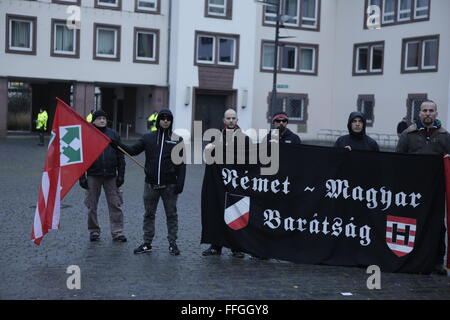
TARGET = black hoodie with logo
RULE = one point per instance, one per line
(357, 141)
(158, 145)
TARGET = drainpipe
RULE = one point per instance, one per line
(169, 31)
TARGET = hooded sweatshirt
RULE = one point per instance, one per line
(357, 140)
(158, 145)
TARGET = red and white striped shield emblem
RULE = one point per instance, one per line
(237, 211)
(400, 234)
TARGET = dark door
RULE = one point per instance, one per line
(209, 109)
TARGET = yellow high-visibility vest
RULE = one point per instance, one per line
(42, 120)
(152, 121)
(89, 117)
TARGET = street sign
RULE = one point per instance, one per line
(282, 86)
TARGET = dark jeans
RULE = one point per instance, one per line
(151, 199)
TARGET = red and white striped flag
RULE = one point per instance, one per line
(74, 145)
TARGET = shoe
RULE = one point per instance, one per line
(237, 254)
(120, 238)
(143, 248)
(94, 237)
(211, 251)
(173, 249)
(439, 270)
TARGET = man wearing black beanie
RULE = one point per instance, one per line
(107, 171)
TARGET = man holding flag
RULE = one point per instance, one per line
(107, 171)
(74, 145)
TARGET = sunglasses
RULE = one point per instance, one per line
(280, 120)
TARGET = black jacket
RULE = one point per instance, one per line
(357, 141)
(287, 136)
(111, 162)
(158, 145)
(241, 146)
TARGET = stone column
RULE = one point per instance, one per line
(83, 97)
(3, 107)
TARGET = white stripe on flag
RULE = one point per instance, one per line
(400, 248)
(45, 185)
(401, 226)
(400, 237)
(37, 228)
(236, 210)
(57, 207)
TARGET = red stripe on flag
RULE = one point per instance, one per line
(402, 220)
(240, 222)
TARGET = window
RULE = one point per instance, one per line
(295, 105)
(420, 54)
(148, 6)
(292, 58)
(106, 42)
(65, 42)
(368, 58)
(365, 105)
(219, 9)
(299, 14)
(108, 4)
(217, 49)
(146, 45)
(413, 104)
(395, 12)
(21, 34)
(72, 2)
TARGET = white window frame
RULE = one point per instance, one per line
(102, 55)
(30, 47)
(233, 63)
(74, 40)
(400, 11)
(213, 5)
(107, 4)
(420, 9)
(316, 9)
(262, 58)
(371, 58)
(270, 14)
(357, 70)
(280, 56)
(213, 49)
(155, 2)
(406, 55)
(153, 59)
(389, 14)
(423, 55)
(313, 60)
(297, 17)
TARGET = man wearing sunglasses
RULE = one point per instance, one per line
(163, 179)
(280, 121)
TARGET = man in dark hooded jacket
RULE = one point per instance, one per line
(357, 139)
(107, 171)
(163, 179)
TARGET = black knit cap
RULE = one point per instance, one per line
(99, 113)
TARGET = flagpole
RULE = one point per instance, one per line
(131, 157)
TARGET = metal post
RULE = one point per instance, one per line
(120, 129)
(128, 127)
(275, 62)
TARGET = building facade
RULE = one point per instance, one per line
(200, 57)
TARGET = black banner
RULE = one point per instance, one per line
(330, 206)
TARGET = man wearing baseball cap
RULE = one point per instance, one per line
(280, 121)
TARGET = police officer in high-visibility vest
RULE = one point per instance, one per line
(89, 116)
(151, 121)
(41, 125)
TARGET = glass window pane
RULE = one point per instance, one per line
(405, 10)
(377, 58)
(226, 50)
(389, 10)
(430, 53)
(270, 12)
(294, 108)
(306, 59)
(309, 9)
(145, 47)
(205, 48)
(64, 38)
(291, 10)
(147, 4)
(363, 60)
(106, 42)
(20, 34)
(288, 57)
(412, 59)
(268, 55)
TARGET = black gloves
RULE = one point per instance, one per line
(178, 189)
(84, 182)
(119, 181)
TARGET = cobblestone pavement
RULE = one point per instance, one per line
(110, 270)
